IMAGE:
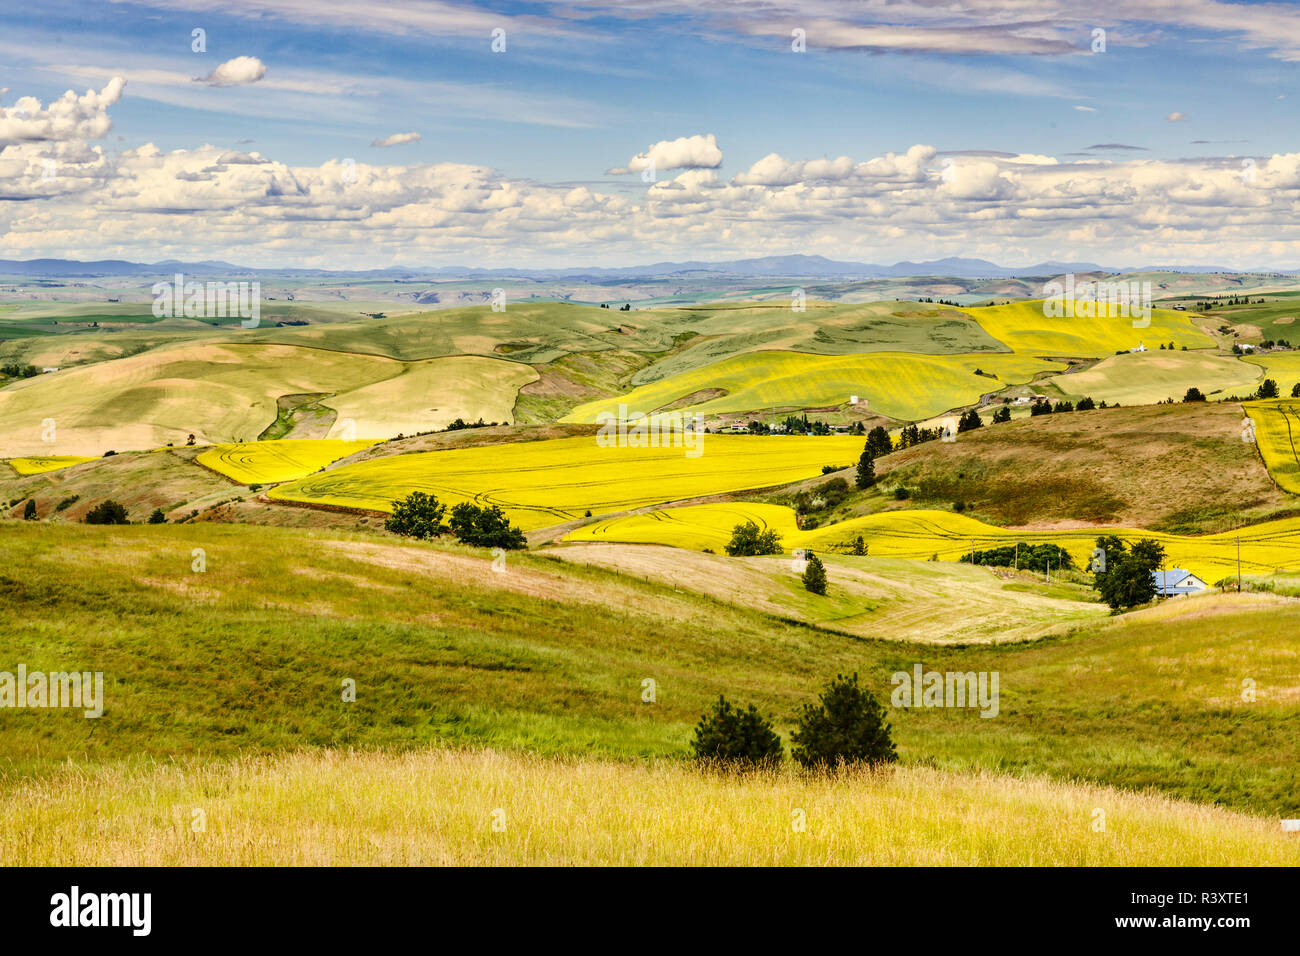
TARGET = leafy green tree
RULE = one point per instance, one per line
(107, 512)
(157, 517)
(814, 575)
(1086, 404)
(727, 734)
(1194, 394)
(1128, 578)
(1003, 414)
(418, 515)
(969, 421)
(748, 539)
(1267, 389)
(865, 476)
(1295, 390)
(29, 510)
(859, 545)
(847, 725)
(485, 527)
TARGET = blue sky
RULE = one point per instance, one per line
(582, 87)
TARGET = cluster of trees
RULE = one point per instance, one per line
(1267, 389)
(846, 726)
(748, 540)
(969, 421)
(1123, 574)
(420, 515)
(1234, 300)
(459, 424)
(1031, 557)
(912, 435)
(626, 307)
(1084, 404)
(14, 370)
(824, 496)
(107, 512)
(801, 425)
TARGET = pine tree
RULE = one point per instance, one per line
(814, 575)
(866, 475)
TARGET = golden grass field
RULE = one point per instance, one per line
(1277, 432)
(229, 392)
(921, 534)
(266, 462)
(550, 482)
(481, 807)
(39, 465)
(1144, 378)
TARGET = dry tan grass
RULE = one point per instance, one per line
(488, 808)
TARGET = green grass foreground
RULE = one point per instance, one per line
(249, 658)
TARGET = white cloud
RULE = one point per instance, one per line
(685, 152)
(397, 139)
(67, 118)
(213, 202)
(1176, 117)
(236, 72)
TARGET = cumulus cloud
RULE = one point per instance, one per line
(70, 117)
(237, 72)
(68, 198)
(1176, 117)
(397, 139)
(685, 152)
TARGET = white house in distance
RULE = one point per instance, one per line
(1140, 348)
(1176, 582)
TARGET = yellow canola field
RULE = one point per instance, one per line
(549, 482)
(1026, 328)
(267, 462)
(921, 535)
(1277, 432)
(39, 464)
(900, 385)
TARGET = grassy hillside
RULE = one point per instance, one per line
(1144, 378)
(925, 602)
(249, 657)
(231, 392)
(488, 808)
(1181, 468)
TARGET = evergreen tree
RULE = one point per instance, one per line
(814, 575)
(866, 473)
(847, 725)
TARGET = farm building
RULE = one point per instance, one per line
(1175, 582)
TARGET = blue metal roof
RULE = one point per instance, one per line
(1171, 582)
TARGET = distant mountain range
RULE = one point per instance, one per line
(796, 266)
